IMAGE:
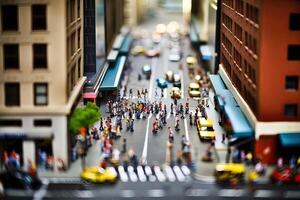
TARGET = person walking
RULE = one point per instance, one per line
(124, 145)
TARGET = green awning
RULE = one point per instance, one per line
(113, 74)
(290, 139)
(126, 45)
(217, 83)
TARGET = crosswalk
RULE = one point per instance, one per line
(155, 173)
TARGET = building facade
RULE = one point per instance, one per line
(259, 64)
(41, 76)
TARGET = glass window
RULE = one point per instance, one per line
(100, 33)
(291, 82)
(11, 56)
(294, 52)
(39, 56)
(42, 122)
(10, 122)
(39, 18)
(40, 94)
(12, 94)
(291, 110)
(295, 21)
(9, 18)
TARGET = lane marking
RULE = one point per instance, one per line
(141, 174)
(38, 195)
(165, 93)
(265, 194)
(160, 176)
(169, 114)
(133, 177)
(232, 192)
(179, 174)
(122, 173)
(292, 194)
(186, 170)
(186, 130)
(127, 193)
(153, 68)
(145, 148)
(169, 173)
(197, 193)
(156, 193)
(85, 194)
(148, 172)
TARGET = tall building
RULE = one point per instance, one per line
(41, 75)
(259, 64)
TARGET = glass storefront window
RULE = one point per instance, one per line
(100, 33)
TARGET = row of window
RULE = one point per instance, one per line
(11, 56)
(252, 13)
(227, 21)
(12, 94)
(250, 42)
(74, 7)
(19, 123)
(250, 71)
(10, 17)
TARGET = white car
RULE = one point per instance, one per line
(177, 80)
(175, 55)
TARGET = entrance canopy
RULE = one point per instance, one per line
(240, 125)
(113, 74)
(217, 83)
(290, 139)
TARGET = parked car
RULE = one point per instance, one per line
(177, 80)
(147, 70)
(225, 172)
(161, 83)
(170, 76)
(96, 174)
(19, 179)
(174, 55)
(175, 93)
(285, 174)
(190, 60)
(152, 53)
(137, 50)
(194, 90)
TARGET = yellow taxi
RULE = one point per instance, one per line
(205, 129)
(175, 93)
(194, 90)
(96, 174)
(169, 76)
(190, 60)
(138, 50)
(229, 172)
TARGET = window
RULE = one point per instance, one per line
(295, 21)
(10, 122)
(42, 122)
(291, 110)
(12, 94)
(39, 56)
(291, 82)
(38, 13)
(78, 8)
(40, 94)
(11, 56)
(9, 18)
(73, 41)
(78, 38)
(294, 52)
(79, 68)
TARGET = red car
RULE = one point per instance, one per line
(285, 175)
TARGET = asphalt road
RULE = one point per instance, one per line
(191, 189)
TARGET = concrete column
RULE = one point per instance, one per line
(60, 143)
(28, 152)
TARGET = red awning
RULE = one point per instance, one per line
(89, 95)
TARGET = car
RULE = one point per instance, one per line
(152, 53)
(197, 79)
(225, 172)
(138, 50)
(161, 83)
(147, 70)
(207, 133)
(202, 122)
(285, 174)
(19, 179)
(96, 174)
(170, 76)
(177, 81)
(194, 90)
(174, 55)
(175, 93)
(190, 60)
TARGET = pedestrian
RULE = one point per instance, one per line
(223, 138)
(131, 125)
(124, 145)
(156, 94)
(162, 92)
(191, 119)
(280, 162)
(171, 108)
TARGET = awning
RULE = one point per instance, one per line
(290, 139)
(37, 134)
(240, 125)
(113, 73)
(118, 41)
(225, 98)
(217, 83)
(205, 51)
(126, 45)
(89, 95)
